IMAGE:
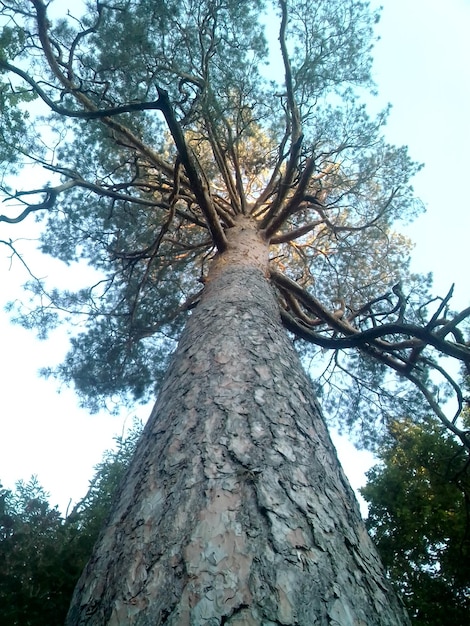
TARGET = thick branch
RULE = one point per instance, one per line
(356, 338)
(295, 233)
(294, 128)
(198, 183)
(293, 204)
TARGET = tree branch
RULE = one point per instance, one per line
(273, 224)
(295, 233)
(49, 201)
(198, 183)
(294, 128)
(353, 337)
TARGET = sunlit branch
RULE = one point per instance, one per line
(235, 188)
(224, 169)
(259, 207)
(295, 307)
(295, 233)
(289, 207)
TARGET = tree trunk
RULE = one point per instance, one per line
(235, 509)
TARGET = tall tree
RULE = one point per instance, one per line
(192, 148)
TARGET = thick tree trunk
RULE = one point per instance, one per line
(235, 509)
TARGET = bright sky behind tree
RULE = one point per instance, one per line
(421, 67)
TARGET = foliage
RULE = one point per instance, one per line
(42, 553)
(90, 513)
(40, 564)
(167, 122)
(419, 517)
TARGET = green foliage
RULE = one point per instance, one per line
(419, 517)
(42, 554)
(220, 64)
(40, 563)
(89, 515)
(15, 131)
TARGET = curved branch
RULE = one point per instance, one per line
(295, 233)
(92, 114)
(51, 196)
(356, 338)
(198, 182)
(462, 435)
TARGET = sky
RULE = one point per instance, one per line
(421, 67)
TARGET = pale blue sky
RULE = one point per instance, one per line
(422, 69)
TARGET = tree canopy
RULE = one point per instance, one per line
(158, 125)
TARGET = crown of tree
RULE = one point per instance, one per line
(167, 121)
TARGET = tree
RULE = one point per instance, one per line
(43, 553)
(419, 497)
(39, 566)
(183, 160)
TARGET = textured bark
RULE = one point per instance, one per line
(235, 509)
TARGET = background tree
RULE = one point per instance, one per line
(39, 567)
(419, 517)
(43, 553)
(183, 161)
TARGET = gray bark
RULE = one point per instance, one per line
(235, 509)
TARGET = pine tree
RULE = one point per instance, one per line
(195, 148)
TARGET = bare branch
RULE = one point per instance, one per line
(49, 201)
(354, 337)
(328, 331)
